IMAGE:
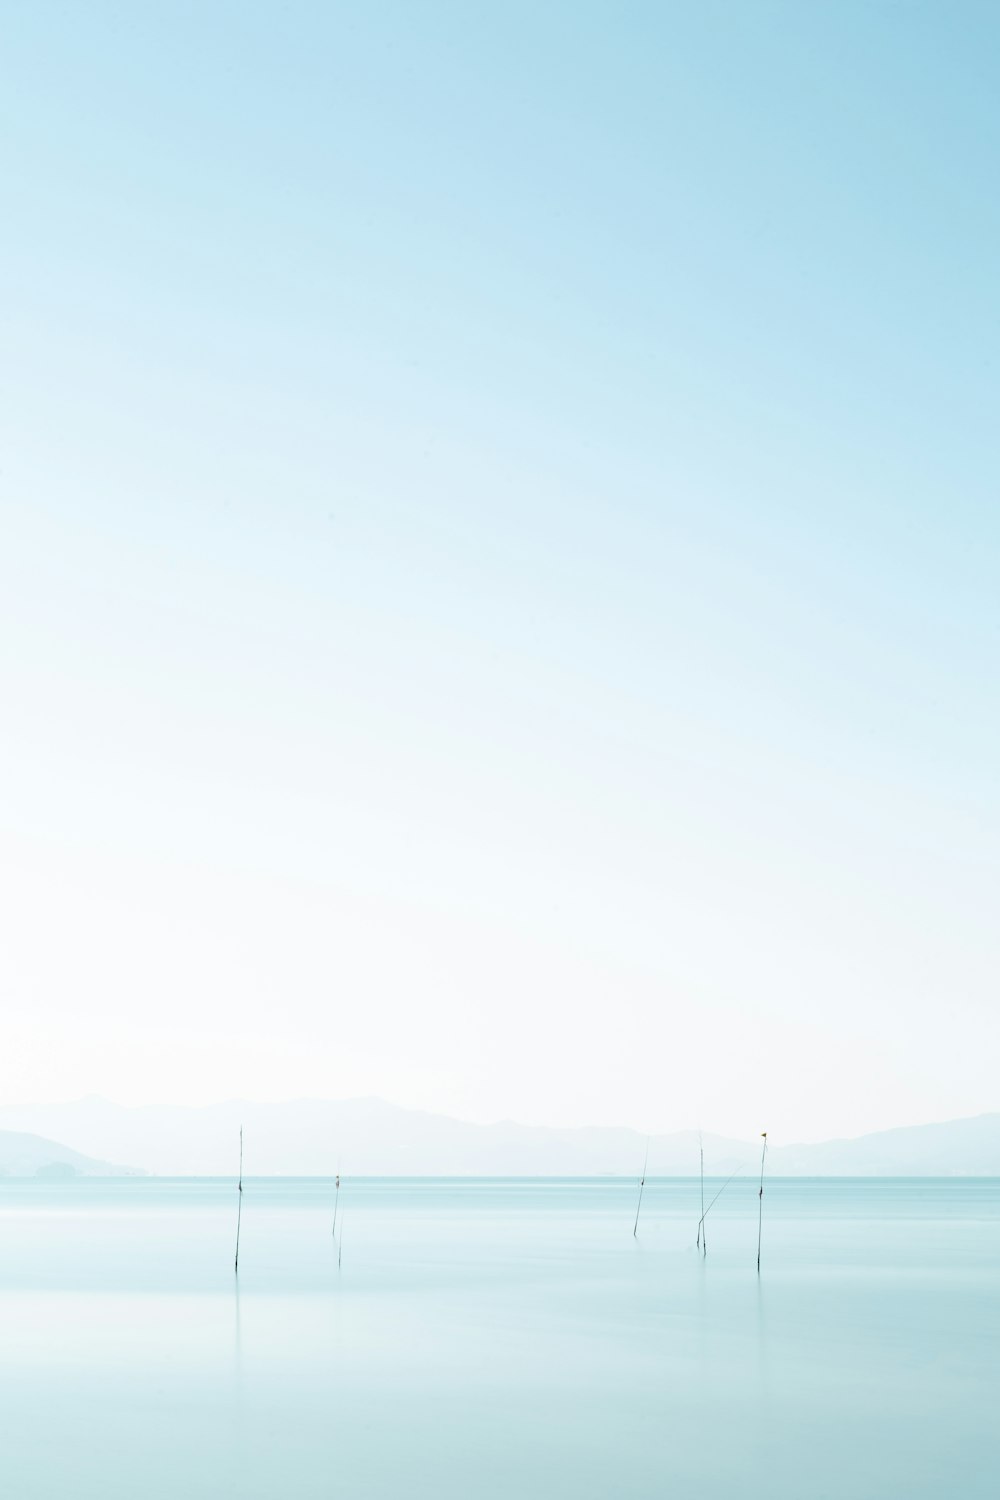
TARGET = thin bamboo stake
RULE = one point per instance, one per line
(239, 1209)
(336, 1196)
(718, 1195)
(702, 1240)
(760, 1198)
(642, 1183)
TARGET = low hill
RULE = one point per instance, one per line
(25, 1155)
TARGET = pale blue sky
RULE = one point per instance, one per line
(499, 558)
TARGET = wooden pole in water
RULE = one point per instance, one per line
(642, 1182)
(702, 1237)
(335, 1198)
(760, 1198)
(718, 1196)
(239, 1208)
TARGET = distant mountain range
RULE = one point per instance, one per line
(26, 1155)
(316, 1137)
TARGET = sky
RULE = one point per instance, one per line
(500, 559)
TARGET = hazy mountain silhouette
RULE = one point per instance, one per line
(26, 1155)
(368, 1136)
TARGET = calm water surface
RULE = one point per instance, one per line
(499, 1338)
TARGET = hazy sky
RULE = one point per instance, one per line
(499, 588)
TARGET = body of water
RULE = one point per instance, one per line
(498, 1338)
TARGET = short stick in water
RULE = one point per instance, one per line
(760, 1197)
(715, 1200)
(239, 1207)
(642, 1183)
